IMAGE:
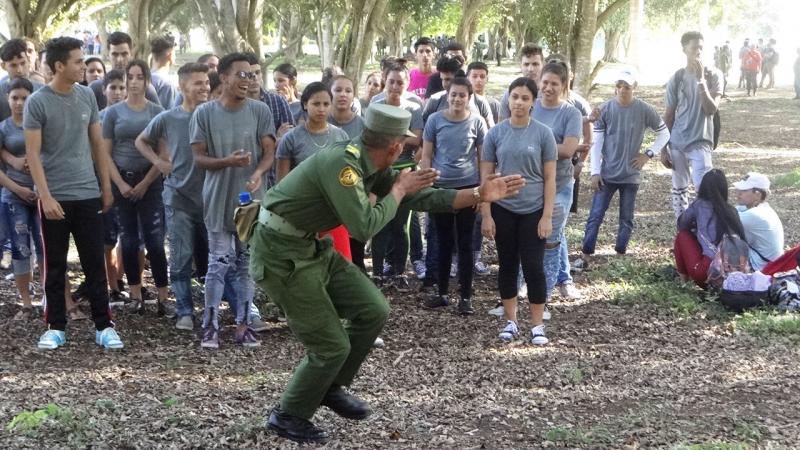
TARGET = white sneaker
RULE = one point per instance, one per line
(510, 332)
(537, 336)
(569, 291)
(185, 323)
(258, 325)
(546, 314)
(481, 268)
(498, 311)
(522, 292)
(378, 342)
(419, 269)
(579, 265)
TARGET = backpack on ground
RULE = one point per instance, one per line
(716, 120)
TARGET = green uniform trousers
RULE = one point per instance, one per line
(316, 288)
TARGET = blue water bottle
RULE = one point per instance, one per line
(245, 198)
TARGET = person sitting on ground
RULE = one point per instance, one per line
(762, 226)
(702, 226)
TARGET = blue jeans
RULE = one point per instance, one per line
(556, 260)
(182, 226)
(23, 227)
(147, 213)
(600, 202)
(228, 263)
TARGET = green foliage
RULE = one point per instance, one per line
(29, 423)
(766, 322)
(169, 402)
(444, 21)
(747, 431)
(788, 180)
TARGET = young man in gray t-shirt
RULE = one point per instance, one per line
(692, 99)
(233, 140)
(617, 160)
(63, 147)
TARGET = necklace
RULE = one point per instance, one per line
(324, 135)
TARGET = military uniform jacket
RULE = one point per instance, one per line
(333, 186)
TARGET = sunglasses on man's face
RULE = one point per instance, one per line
(242, 75)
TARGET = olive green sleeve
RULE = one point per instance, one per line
(343, 184)
(431, 199)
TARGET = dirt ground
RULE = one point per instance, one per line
(617, 374)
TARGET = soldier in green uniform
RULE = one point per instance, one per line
(315, 286)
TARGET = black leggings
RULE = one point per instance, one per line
(518, 240)
(449, 225)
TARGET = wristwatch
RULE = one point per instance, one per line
(649, 153)
(476, 194)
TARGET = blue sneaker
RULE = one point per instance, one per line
(52, 339)
(108, 338)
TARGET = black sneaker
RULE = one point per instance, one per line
(295, 428)
(436, 301)
(465, 307)
(117, 298)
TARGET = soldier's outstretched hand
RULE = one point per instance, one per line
(496, 187)
(410, 182)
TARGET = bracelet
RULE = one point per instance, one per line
(476, 194)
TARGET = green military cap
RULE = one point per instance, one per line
(387, 119)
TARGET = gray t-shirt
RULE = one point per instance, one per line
(521, 151)
(165, 90)
(494, 106)
(12, 138)
(122, 126)
(477, 105)
(224, 131)
(455, 149)
(408, 95)
(352, 128)
(183, 188)
(100, 96)
(66, 152)
(565, 121)
(300, 144)
(623, 129)
(692, 127)
(5, 108)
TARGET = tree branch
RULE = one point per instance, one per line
(603, 17)
(88, 11)
(156, 23)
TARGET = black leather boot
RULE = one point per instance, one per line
(295, 428)
(345, 404)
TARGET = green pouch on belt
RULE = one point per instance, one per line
(245, 218)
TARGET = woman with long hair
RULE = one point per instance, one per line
(137, 185)
(285, 78)
(701, 227)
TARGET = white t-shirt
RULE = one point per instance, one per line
(763, 232)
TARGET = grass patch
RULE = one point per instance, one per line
(764, 322)
(52, 421)
(569, 436)
(787, 180)
(637, 282)
(170, 402)
(714, 445)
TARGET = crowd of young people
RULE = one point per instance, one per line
(153, 164)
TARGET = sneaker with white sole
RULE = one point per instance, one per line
(400, 284)
(481, 268)
(185, 323)
(522, 292)
(247, 338)
(579, 265)
(510, 332)
(419, 269)
(378, 342)
(210, 338)
(258, 325)
(498, 311)
(537, 335)
(52, 339)
(108, 339)
(546, 314)
(569, 291)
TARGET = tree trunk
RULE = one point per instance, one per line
(26, 18)
(293, 33)
(326, 41)
(358, 42)
(586, 27)
(612, 40)
(103, 32)
(139, 26)
(396, 32)
(467, 26)
(491, 50)
(635, 19)
(219, 24)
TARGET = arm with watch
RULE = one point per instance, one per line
(662, 138)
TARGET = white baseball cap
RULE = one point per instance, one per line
(627, 75)
(753, 180)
